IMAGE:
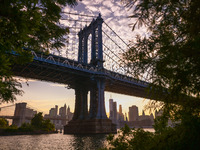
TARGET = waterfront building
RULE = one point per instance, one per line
(146, 117)
(59, 120)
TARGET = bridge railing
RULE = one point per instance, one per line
(62, 61)
(58, 60)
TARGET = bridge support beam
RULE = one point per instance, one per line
(97, 121)
(101, 113)
(93, 102)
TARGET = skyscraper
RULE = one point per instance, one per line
(62, 111)
(53, 111)
(120, 109)
(121, 115)
(69, 114)
(133, 113)
(114, 112)
(111, 108)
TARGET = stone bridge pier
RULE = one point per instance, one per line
(92, 121)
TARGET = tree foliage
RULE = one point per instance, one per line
(3, 123)
(130, 139)
(171, 50)
(169, 57)
(38, 123)
(32, 24)
(178, 137)
(37, 120)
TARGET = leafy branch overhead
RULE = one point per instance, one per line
(29, 24)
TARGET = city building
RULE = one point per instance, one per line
(110, 109)
(114, 120)
(146, 117)
(59, 120)
(69, 114)
(126, 118)
(62, 111)
(120, 114)
(133, 113)
(53, 111)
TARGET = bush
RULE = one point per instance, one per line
(26, 127)
(3, 123)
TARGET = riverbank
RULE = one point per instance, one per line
(6, 132)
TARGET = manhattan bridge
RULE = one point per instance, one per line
(91, 61)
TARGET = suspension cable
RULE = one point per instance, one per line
(78, 14)
(76, 20)
(113, 53)
(116, 34)
(113, 41)
(7, 106)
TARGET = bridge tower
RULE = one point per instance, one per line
(94, 29)
(19, 115)
(94, 121)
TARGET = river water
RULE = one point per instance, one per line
(54, 142)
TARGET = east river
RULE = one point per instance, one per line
(54, 142)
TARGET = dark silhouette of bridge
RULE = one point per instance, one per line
(84, 75)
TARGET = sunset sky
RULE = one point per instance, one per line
(45, 95)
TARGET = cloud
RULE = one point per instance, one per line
(57, 85)
(105, 12)
(92, 8)
(108, 3)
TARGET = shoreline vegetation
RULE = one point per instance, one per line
(37, 126)
(6, 132)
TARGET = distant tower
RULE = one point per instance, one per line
(126, 117)
(114, 112)
(111, 108)
(151, 117)
(69, 114)
(121, 115)
(68, 110)
(120, 109)
(143, 114)
(53, 111)
(56, 110)
(133, 113)
(62, 111)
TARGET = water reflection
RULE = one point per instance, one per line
(86, 142)
(53, 142)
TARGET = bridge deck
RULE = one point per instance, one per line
(57, 69)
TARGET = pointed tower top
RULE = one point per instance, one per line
(143, 114)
